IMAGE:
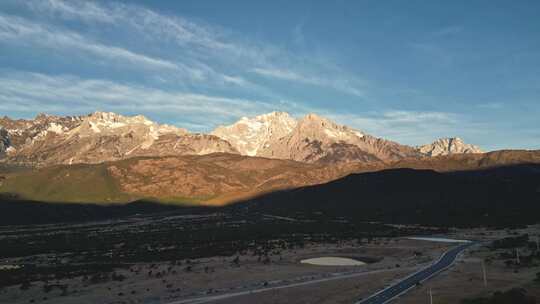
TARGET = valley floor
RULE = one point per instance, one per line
(152, 260)
(218, 275)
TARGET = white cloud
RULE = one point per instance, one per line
(26, 92)
(86, 10)
(415, 117)
(19, 30)
(407, 127)
(145, 21)
(336, 84)
(65, 94)
(202, 43)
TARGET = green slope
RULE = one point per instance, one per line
(76, 183)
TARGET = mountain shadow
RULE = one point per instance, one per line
(502, 196)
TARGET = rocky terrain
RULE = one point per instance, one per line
(317, 139)
(464, 162)
(215, 179)
(4, 141)
(202, 179)
(447, 146)
(107, 157)
(99, 137)
(250, 136)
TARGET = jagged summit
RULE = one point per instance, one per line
(106, 136)
(251, 135)
(99, 137)
(447, 146)
(312, 138)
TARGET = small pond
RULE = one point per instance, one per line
(333, 261)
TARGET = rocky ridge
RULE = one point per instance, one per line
(100, 137)
(317, 139)
(104, 136)
(448, 146)
(250, 136)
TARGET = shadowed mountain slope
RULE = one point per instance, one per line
(498, 196)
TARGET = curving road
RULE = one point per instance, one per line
(391, 292)
(332, 277)
(380, 297)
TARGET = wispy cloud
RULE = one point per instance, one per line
(201, 43)
(147, 22)
(86, 10)
(409, 127)
(22, 31)
(65, 94)
(340, 85)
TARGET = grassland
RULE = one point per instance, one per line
(76, 183)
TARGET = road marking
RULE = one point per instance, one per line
(207, 299)
(435, 268)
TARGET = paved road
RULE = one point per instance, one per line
(409, 282)
(334, 276)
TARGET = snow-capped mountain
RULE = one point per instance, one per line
(317, 139)
(311, 139)
(100, 137)
(250, 136)
(104, 136)
(447, 146)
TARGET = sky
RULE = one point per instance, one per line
(409, 71)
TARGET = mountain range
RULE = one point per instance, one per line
(100, 137)
(111, 158)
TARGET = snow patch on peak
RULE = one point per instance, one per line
(250, 135)
(56, 128)
(94, 127)
(358, 133)
(447, 146)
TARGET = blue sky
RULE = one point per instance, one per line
(410, 71)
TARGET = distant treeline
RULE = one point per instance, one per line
(21, 212)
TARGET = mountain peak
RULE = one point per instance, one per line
(447, 146)
(115, 117)
(251, 135)
(103, 136)
(98, 137)
(314, 117)
(275, 114)
(271, 116)
(317, 126)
